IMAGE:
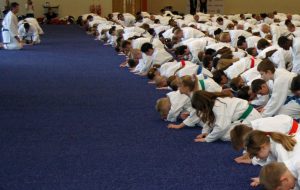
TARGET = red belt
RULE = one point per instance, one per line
(294, 128)
(252, 62)
(182, 63)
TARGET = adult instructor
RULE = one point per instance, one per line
(10, 36)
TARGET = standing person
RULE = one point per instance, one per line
(203, 6)
(193, 7)
(11, 41)
(6, 7)
(29, 9)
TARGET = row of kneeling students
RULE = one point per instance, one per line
(236, 76)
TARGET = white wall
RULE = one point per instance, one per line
(67, 7)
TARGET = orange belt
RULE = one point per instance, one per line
(294, 128)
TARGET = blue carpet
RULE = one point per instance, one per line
(72, 119)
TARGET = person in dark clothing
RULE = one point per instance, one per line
(193, 6)
(203, 6)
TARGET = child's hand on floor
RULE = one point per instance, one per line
(201, 138)
(245, 159)
(255, 182)
(173, 126)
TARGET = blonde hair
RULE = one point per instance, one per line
(189, 81)
(161, 106)
(256, 139)
(224, 36)
(270, 175)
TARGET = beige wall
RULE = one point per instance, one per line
(233, 6)
(67, 7)
(258, 6)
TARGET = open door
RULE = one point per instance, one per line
(129, 6)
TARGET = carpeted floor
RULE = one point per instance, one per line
(71, 119)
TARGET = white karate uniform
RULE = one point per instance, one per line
(34, 22)
(277, 58)
(209, 85)
(227, 112)
(252, 41)
(193, 69)
(10, 31)
(279, 123)
(240, 67)
(296, 55)
(159, 57)
(32, 34)
(235, 34)
(179, 103)
(189, 32)
(281, 90)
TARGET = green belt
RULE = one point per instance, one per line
(246, 113)
(202, 84)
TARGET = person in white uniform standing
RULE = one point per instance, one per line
(10, 36)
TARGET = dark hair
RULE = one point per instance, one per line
(203, 102)
(14, 5)
(282, 41)
(220, 19)
(241, 40)
(26, 25)
(295, 86)
(250, 50)
(243, 93)
(262, 44)
(266, 65)
(180, 50)
(217, 76)
(210, 52)
(89, 17)
(151, 73)
(207, 59)
(131, 63)
(146, 47)
(171, 83)
(151, 31)
(218, 31)
(256, 85)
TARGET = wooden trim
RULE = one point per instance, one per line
(144, 5)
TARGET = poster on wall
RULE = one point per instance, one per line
(215, 6)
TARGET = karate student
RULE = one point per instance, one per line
(29, 34)
(282, 80)
(172, 106)
(155, 56)
(279, 123)
(281, 175)
(10, 35)
(294, 44)
(220, 113)
(188, 85)
(267, 147)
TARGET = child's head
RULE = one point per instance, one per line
(188, 84)
(178, 33)
(259, 86)
(238, 134)
(257, 143)
(245, 93)
(132, 63)
(285, 43)
(160, 81)
(241, 43)
(173, 82)
(147, 48)
(182, 52)
(163, 106)
(275, 176)
(262, 44)
(220, 77)
(225, 37)
(237, 83)
(266, 69)
(252, 51)
(295, 86)
(153, 72)
(136, 54)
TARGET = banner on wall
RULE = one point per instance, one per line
(215, 6)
